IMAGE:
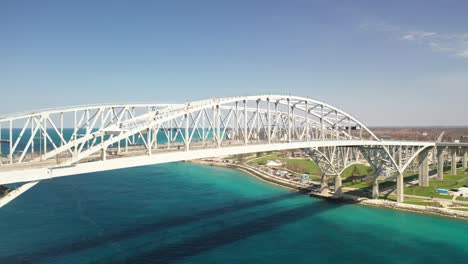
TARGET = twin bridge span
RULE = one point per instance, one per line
(70, 141)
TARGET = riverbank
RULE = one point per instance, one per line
(291, 185)
(301, 187)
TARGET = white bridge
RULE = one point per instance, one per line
(75, 140)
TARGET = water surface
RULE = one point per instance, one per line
(185, 213)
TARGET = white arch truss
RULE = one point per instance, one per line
(68, 141)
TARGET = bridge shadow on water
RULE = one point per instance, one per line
(358, 245)
(196, 245)
(189, 247)
(394, 241)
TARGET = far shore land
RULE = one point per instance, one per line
(311, 187)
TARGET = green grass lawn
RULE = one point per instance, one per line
(307, 166)
(460, 209)
(418, 202)
(269, 156)
(449, 182)
(357, 170)
(367, 183)
(302, 166)
(299, 166)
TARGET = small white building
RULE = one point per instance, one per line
(272, 163)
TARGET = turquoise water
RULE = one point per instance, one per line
(184, 213)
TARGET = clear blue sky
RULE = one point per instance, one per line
(386, 62)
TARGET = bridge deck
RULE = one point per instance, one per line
(451, 144)
(139, 156)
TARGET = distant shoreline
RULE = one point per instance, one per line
(294, 186)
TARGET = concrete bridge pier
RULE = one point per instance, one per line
(104, 154)
(400, 188)
(454, 161)
(338, 185)
(423, 168)
(375, 187)
(465, 158)
(440, 163)
(324, 185)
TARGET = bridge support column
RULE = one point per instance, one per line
(375, 187)
(423, 168)
(440, 163)
(149, 141)
(465, 158)
(400, 188)
(104, 154)
(454, 161)
(324, 184)
(338, 185)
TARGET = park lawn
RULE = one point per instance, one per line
(359, 173)
(308, 166)
(264, 159)
(415, 201)
(356, 170)
(449, 182)
(315, 178)
(302, 166)
(460, 209)
(367, 184)
(453, 181)
(430, 191)
(359, 185)
(418, 202)
(299, 166)
(241, 157)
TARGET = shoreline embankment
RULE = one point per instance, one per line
(301, 187)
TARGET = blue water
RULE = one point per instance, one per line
(184, 213)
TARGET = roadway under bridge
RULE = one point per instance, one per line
(70, 141)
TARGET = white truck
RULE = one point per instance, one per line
(463, 191)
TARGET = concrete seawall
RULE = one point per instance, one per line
(416, 208)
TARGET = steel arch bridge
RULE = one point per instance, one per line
(68, 141)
